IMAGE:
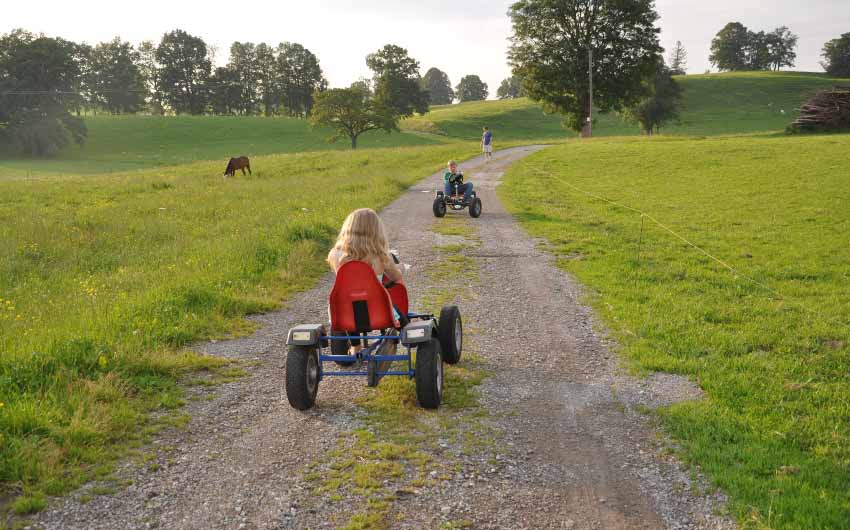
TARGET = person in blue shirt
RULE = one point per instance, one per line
(487, 143)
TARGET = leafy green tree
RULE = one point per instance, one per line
(184, 71)
(757, 51)
(36, 76)
(661, 103)
(781, 44)
(439, 88)
(268, 83)
(83, 98)
(471, 88)
(550, 44)
(226, 92)
(300, 77)
(729, 48)
(678, 59)
(836, 54)
(117, 81)
(396, 81)
(150, 73)
(511, 88)
(243, 61)
(351, 112)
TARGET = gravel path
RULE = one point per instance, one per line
(569, 449)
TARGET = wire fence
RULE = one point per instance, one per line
(776, 294)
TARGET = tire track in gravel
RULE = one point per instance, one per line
(571, 452)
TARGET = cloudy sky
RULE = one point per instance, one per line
(458, 36)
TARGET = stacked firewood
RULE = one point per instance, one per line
(827, 110)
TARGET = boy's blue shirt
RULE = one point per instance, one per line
(488, 137)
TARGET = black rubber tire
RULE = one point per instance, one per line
(302, 376)
(340, 347)
(439, 207)
(429, 374)
(450, 328)
(475, 208)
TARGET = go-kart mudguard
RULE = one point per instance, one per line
(305, 335)
(417, 332)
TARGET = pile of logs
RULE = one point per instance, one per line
(827, 110)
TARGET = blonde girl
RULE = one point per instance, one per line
(363, 238)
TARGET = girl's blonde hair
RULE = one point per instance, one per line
(362, 238)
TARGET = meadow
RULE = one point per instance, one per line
(105, 279)
(757, 315)
(713, 104)
(117, 144)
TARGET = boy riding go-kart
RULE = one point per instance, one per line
(456, 194)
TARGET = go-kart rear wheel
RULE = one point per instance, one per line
(429, 374)
(439, 207)
(302, 376)
(451, 334)
(340, 347)
(475, 208)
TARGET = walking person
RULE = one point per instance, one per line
(487, 143)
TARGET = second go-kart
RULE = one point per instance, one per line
(376, 314)
(456, 201)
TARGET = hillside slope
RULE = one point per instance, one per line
(120, 143)
(713, 104)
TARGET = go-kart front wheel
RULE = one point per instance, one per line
(475, 208)
(429, 374)
(450, 330)
(302, 376)
(439, 207)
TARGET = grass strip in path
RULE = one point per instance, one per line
(401, 447)
(774, 432)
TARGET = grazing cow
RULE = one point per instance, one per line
(237, 163)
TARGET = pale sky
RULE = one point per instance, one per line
(458, 36)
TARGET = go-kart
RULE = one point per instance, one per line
(375, 313)
(456, 201)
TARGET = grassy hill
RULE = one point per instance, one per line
(713, 104)
(121, 143)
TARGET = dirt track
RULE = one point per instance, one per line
(573, 451)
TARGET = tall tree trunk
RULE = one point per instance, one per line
(354, 141)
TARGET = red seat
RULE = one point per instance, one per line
(358, 301)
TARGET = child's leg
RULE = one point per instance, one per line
(467, 191)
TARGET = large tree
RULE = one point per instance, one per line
(836, 54)
(439, 88)
(471, 88)
(243, 62)
(781, 44)
(118, 84)
(225, 92)
(37, 74)
(729, 47)
(300, 77)
(511, 88)
(660, 104)
(150, 73)
(396, 81)
(184, 71)
(268, 83)
(550, 44)
(351, 112)
(678, 59)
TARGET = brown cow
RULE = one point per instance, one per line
(237, 163)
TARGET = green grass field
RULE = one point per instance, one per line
(770, 344)
(714, 104)
(120, 143)
(103, 279)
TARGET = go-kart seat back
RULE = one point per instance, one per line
(358, 301)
